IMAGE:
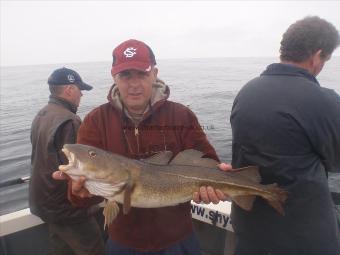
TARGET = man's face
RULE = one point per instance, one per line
(75, 94)
(135, 88)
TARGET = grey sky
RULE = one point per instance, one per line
(39, 32)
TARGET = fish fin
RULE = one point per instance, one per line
(102, 188)
(110, 212)
(249, 172)
(161, 158)
(206, 162)
(193, 157)
(127, 197)
(245, 202)
(278, 197)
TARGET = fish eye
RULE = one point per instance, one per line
(92, 154)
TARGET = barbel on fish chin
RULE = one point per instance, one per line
(156, 182)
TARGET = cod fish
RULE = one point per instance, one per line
(156, 182)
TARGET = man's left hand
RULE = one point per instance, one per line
(209, 194)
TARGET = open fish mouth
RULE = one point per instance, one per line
(71, 160)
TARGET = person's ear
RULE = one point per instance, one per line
(317, 56)
(316, 62)
(155, 72)
(114, 78)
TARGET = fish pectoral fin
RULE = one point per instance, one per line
(245, 202)
(103, 189)
(193, 157)
(161, 158)
(249, 172)
(127, 197)
(110, 212)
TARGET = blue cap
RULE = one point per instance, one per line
(65, 76)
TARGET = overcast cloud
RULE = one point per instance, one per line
(41, 32)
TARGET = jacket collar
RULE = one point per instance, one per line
(64, 103)
(290, 70)
(160, 93)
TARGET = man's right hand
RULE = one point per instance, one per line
(78, 188)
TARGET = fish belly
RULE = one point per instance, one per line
(156, 196)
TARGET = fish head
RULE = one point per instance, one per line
(94, 164)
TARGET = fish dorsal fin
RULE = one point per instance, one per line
(206, 162)
(193, 157)
(249, 172)
(161, 158)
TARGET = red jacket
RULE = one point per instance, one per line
(165, 126)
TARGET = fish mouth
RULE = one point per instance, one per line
(71, 160)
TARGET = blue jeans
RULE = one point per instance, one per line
(189, 246)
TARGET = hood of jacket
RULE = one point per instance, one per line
(160, 93)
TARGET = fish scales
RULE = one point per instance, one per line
(167, 181)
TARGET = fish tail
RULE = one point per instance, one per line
(277, 198)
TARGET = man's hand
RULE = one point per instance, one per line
(208, 194)
(78, 188)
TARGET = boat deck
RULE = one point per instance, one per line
(23, 233)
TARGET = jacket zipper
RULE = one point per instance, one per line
(137, 138)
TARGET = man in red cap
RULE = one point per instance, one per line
(137, 122)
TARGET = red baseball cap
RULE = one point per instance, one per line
(132, 54)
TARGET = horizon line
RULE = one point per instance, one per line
(160, 59)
